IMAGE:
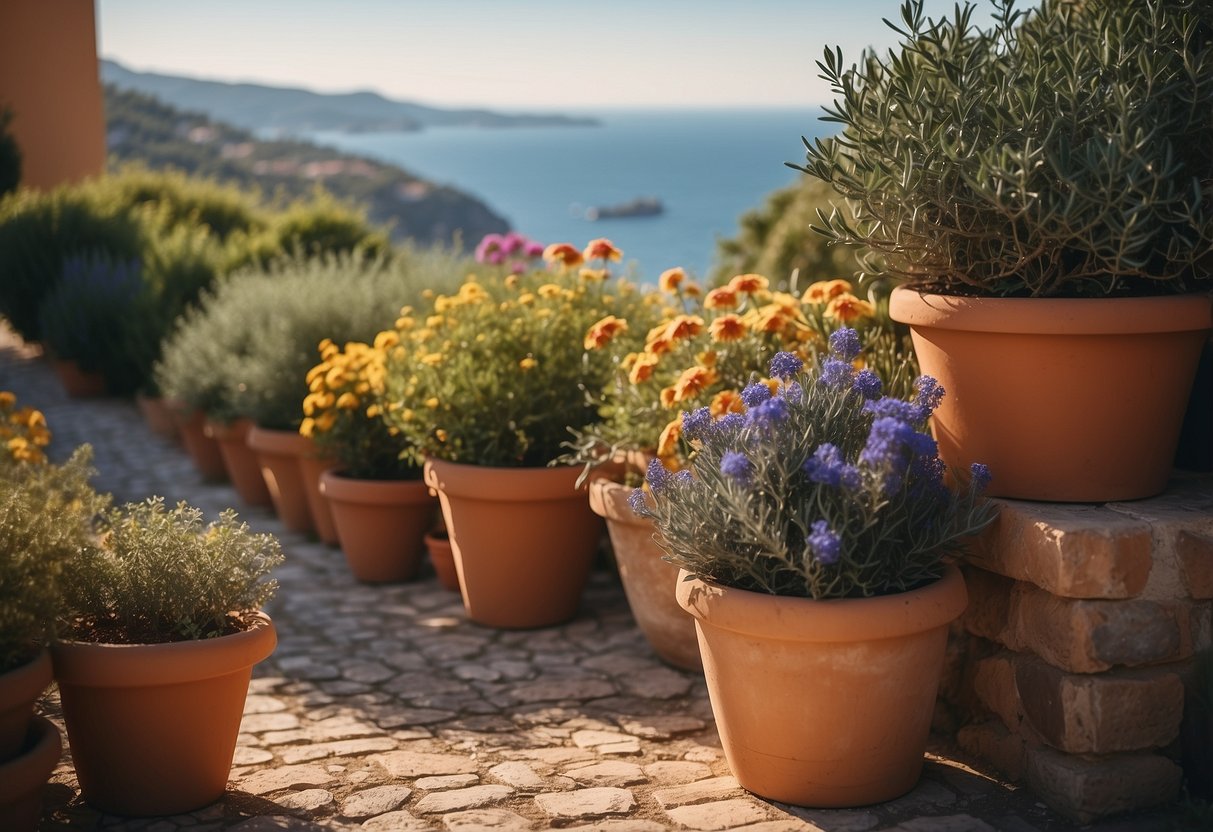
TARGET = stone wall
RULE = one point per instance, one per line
(1080, 649)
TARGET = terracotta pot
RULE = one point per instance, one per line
(523, 539)
(77, 383)
(823, 703)
(203, 450)
(19, 690)
(381, 524)
(157, 415)
(648, 581)
(443, 559)
(278, 452)
(23, 777)
(239, 459)
(1076, 400)
(311, 467)
(153, 727)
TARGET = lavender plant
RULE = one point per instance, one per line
(822, 488)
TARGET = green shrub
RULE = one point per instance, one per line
(10, 155)
(161, 575)
(320, 225)
(185, 200)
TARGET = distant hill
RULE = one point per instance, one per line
(259, 107)
(142, 129)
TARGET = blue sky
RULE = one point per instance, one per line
(508, 54)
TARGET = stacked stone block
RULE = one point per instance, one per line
(1083, 627)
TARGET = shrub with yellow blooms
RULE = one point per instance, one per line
(343, 410)
(23, 433)
(497, 373)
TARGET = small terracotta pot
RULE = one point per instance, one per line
(1075, 400)
(157, 415)
(442, 558)
(381, 524)
(648, 581)
(823, 703)
(23, 777)
(239, 459)
(278, 452)
(203, 450)
(19, 690)
(153, 727)
(77, 383)
(523, 539)
(311, 467)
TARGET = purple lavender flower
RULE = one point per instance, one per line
(889, 407)
(980, 472)
(755, 393)
(682, 477)
(828, 467)
(638, 502)
(794, 393)
(867, 384)
(736, 466)
(784, 365)
(887, 440)
(835, 373)
(728, 424)
(658, 477)
(922, 444)
(845, 344)
(697, 423)
(768, 414)
(929, 393)
(825, 544)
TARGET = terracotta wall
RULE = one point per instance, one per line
(49, 78)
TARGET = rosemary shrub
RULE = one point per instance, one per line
(1063, 151)
(822, 488)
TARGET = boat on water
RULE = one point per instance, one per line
(644, 206)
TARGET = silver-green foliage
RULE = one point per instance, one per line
(1065, 150)
(46, 515)
(161, 574)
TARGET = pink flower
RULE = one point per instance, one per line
(489, 247)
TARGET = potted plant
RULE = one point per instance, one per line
(161, 628)
(812, 530)
(1054, 242)
(488, 382)
(379, 504)
(701, 351)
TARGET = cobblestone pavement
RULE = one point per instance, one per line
(385, 708)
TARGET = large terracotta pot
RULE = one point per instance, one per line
(243, 467)
(203, 450)
(77, 383)
(1076, 400)
(311, 467)
(823, 703)
(648, 581)
(381, 524)
(23, 777)
(153, 727)
(442, 558)
(523, 538)
(19, 689)
(157, 415)
(279, 452)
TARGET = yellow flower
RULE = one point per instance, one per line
(431, 359)
(528, 363)
(374, 411)
(691, 290)
(707, 358)
(683, 326)
(328, 349)
(694, 380)
(748, 283)
(564, 254)
(667, 397)
(727, 328)
(404, 323)
(601, 333)
(7, 399)
(550, 290)
(526, 298)
(824, 291)
(511, 281)
(440, 434)
(671, 279)
(307, 427)
(325, 421)
(667, 444)
(846, 308)
(432, 402)
(726, 401)
(642, 369)
(721, 297)
(347, 401)
(593, 275)
(602, 249)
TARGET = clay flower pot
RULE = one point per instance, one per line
(19, 690)
(311, 467)
(648, 581)
(77, 383)
(1075, 400)
(153, 727)
(823, 703)
(278, 452)
(157, 415)
(23, 777)
(239, 459)
(523, 539)
(381, 524)
(203, 450)
(438, 543)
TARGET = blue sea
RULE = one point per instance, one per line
(707, 167)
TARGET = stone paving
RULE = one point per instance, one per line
(385, 708)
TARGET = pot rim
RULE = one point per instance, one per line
(609, 500)
(480, 482)
(31, 767)
(337, 487)
(1053, 316)
(97, 664)
(228, 430)
(836, 620)
(274, 441)
(25, 682)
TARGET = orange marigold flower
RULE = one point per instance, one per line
(659, 346)
(642, 368)
(602, 249)
(671, 279)
(722, 297)
(667, 397)
(667, 444)
(824, 291)
(528, 363)
(564, 254)
(692, 290)
(748, 283)
(694, 380)
(726, 401)
(846, 308)
(683, 326)
(772, 318)
(707, 358)
(601, 333)
(728, 328)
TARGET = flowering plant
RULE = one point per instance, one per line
(342, 411)
(512, 250)
(23, 433)
(819, 486)
(702, 350)
(497, 373)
